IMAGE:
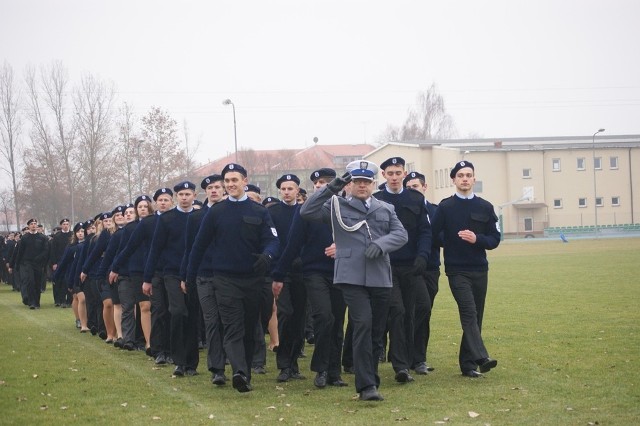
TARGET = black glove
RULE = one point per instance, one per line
(372, 251)
(261, 265)
(338, 183)
(419, 265)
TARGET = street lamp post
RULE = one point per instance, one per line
(235, 134)
(595, 193)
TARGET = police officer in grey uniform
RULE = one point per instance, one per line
(365, 231)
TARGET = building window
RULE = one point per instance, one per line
(435, 177)
(478, 187)
(615, 201)
(410, 167)
(613, 163)
(599, 202)
(526, 173)
(555, 165)
(528, 224)
(557, 203)
(582, 202)
(597, 163)
(581, 165)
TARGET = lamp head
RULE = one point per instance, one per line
(227, 102)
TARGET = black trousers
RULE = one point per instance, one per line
(127, 294)
(59, 292)
(327, 317)
(426, 292)
(401, 313)
(368, 309)
(291, 303)
(183, 334)
(213, 324)
(264, 315)
(469, 289)
(347, 344)
(238, 306)
(160, 317)
(91, 288)
(31, 276)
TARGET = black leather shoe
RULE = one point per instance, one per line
(259, 370)
(403, 376)
(148, 351)
(370, 394)
(179, 371)
(284, 376)
(128, 346)
(32, 307)
(94, 330)
(241, 383)
(321, 379)
(486, 364)
(421, 368)
(169, 359)
(219, 379)
(118, 343)
(161, 359)
(191, 371)
(296, 375)
(102, 334)
(337, 382)
(472, 373)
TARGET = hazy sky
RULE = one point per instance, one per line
(342, 70)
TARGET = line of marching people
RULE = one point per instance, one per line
(170, 275)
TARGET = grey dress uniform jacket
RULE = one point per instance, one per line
(384, 229)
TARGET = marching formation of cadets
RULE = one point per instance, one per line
(169, 275)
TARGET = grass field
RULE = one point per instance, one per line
(562, 319)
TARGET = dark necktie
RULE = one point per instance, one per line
(364, 203)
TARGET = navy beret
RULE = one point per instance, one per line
(285, 178)
(107, 215)
(64, 220)
(270, 200)
(233, 167)
(141, 198)
(413, 175)
(393, 161)
(30, 221)
(323, 172)
(460, 165)
(119, 209)
(303, 191)
(184, 185)
(78, 226)
(252, 188)
(161, 191)
(209, 180)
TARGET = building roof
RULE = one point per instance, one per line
(263, 162)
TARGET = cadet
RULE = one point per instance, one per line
(31, 257)
(365, 231)
(312, 242)
(204, 282)
(292, 299)
(244, 242)
(167, 249)
(427, 288)
(407, 264)
(59, 243)
(469, 228)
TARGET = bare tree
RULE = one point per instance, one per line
(164, 160)
(11, 126)
(189, 150)
(6, 201)
(93, 117)
(129, 147)
(426, 121)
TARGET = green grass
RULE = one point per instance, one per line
(562, 319)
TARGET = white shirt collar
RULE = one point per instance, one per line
(468, 197)
(233, 199)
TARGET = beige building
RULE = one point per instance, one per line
(537, 184)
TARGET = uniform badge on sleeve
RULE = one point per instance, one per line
(274, 232)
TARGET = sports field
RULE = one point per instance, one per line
(562, 319)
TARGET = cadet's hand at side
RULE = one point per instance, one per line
(261, 265)
(419, 265)
(372, 251)
(339, 183)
